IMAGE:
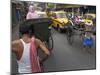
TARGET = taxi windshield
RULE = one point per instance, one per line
(89, 17)
(61, 15)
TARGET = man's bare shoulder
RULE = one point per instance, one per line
(15, 45)
(16, 42)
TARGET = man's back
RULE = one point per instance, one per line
(27, 58)
(24, 62)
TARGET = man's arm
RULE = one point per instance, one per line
(14, 46)
(43, 47)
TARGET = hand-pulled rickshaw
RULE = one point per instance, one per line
(42, 31)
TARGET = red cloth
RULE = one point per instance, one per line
(35, 65)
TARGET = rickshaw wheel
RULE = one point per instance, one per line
(49, 43)
(69, 37)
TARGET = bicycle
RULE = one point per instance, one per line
(70, 31)
(69, 34)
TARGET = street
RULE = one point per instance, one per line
(64, 56)
(67, 57)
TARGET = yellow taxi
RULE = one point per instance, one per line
(59, 19)
(90, 17)
(90, 20)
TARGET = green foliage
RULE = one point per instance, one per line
(50, 5)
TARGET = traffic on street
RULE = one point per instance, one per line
(52, 37)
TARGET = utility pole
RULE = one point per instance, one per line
(72, 11)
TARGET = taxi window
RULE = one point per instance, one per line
(90, 17)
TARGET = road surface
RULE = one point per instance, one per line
(64, 56)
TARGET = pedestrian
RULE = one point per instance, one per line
(18, 12)
(26, 49)
(31, 13)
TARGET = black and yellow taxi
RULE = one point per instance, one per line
(59, 19)
(91, 17)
